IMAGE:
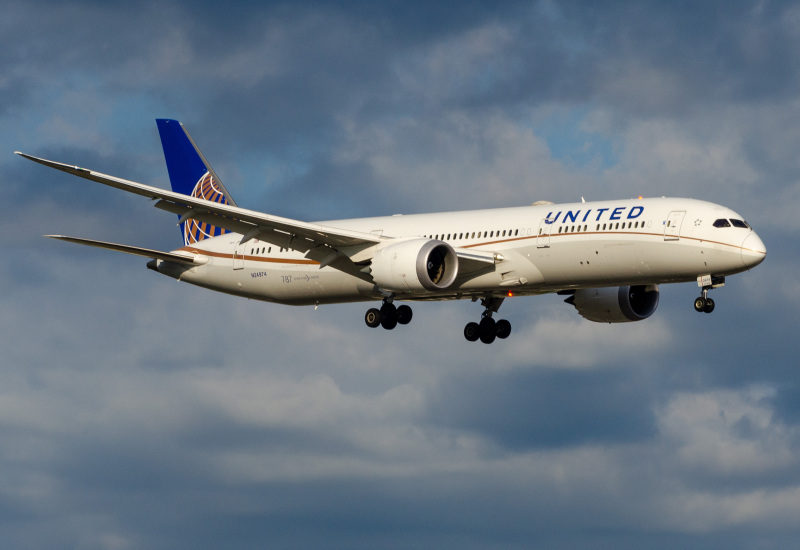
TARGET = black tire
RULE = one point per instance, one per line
(709, 305)
(472, 331)
(404, 314)
(488, 330)
(700, 304)
(388, 316)
(389, 323)
(373, 317)
(503, 329)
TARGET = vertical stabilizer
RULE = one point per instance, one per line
(190, 174)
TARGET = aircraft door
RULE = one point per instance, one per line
(672, 229)
(238, 256)
(543, 239)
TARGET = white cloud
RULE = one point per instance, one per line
(729, 432)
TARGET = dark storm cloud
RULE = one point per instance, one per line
(787, 403)
(547, 409)
(706, 52)
(328, 58)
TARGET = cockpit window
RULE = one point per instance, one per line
(722, 223)
(739, 223)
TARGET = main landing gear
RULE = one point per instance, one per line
(388, 316)
(704, 304)
(488, 329)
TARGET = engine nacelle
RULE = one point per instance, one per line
(416, 265)
(616, 304)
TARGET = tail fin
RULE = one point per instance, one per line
(190, 174)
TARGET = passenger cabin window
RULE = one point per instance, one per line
(722, 223)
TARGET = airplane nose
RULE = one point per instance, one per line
(753, 250)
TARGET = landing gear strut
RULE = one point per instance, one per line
(388, 316)
(488, 329)
(704, 304)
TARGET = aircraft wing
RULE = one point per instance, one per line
(331, 246)
(298, 235)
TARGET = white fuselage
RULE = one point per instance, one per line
(543, 248)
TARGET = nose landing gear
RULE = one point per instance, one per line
(704, 304)
(488, 329)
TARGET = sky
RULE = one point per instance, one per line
(139, 412)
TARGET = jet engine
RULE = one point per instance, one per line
(616, 304)
(416, 265)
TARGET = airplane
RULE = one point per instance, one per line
(606, 257)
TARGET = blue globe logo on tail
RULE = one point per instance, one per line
(193, 230)
(190, 174)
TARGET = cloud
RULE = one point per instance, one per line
(729, 433)
(729, 447)
(524, 410)
(137, 412)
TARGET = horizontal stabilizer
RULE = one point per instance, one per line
(188, 259)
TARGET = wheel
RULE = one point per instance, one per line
(488, 330)
(700, 304)
(404, 314)
(373, 317)
(388, 316)
(388, 322)
(472, 331)
(709, 305)
(503, 329)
